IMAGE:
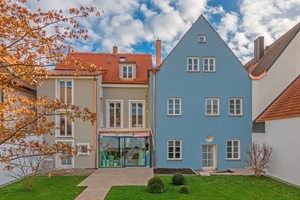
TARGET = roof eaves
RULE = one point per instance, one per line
(275, 99)
(282, 50)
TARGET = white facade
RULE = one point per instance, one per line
(280, 75)
(283, 136)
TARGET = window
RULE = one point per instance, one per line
(233, 149)
(101, 91)
(258, 127)
(62, 160)
(137, 114)
(192, 64)
(212, 106)
(208, 64)
(235, 106)
(114, 114)
(66, 125)
(201, 39)
(174, 106)
(84, 149)
(65, 91)
(174, 149)
(127, 72)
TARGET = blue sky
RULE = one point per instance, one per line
(134, 25)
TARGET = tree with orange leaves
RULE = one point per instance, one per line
(26, 50)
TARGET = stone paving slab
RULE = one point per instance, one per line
(100, 182)
(204, 173)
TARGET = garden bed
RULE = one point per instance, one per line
(173, 171)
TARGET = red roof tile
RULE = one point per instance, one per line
(110, 64)
(286, 105)
(272, 52)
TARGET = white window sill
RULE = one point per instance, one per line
(194, 71)
(83, 154)
(178, 159)
(236, 115)
(212, 115)
(64, 136)
(209, 71)
(174, 115)
(233, 159)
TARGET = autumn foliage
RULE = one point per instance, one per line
(30, 42)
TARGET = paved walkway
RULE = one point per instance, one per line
(101, 181)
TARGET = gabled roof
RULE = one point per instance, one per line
(272, 53)
(110, 63)
(286, 105)
(201, 16)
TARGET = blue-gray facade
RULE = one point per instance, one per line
(229, 80)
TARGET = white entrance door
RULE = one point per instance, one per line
(208, 157)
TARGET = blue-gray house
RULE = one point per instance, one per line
(202, 104)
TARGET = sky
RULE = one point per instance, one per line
(134, 25)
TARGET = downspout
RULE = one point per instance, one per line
(154, 163)
(95, 107)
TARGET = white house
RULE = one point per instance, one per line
(282, 133)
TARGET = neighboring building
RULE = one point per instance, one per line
(202, 103)
(282, 127)
(122, 135)
(272, 69)
(23, 88)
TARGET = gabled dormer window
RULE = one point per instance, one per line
(122, 59)
(127, 71)
(201, 39)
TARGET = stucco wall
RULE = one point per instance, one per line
(83, 131)
(125, 94)
(281, 74)
(283, 136)
(229, 80)
(259, 137)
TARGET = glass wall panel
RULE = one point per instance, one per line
(111, 152)
(135, 152)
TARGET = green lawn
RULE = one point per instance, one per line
(56, 187)
(213, 187)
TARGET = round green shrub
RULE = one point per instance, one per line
(184, 189)
(156, 185)
(178, 179)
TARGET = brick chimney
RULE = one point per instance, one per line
(258, 49)
(115, 50)
(158, 53)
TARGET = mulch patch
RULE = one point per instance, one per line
(173, 171)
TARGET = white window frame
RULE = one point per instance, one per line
(174, 98)
(127, 67)
(232, 152)
(101, 120)
(56, 157)
(101, 91)
(198, 67)
(208, 69)
(174, 150)
(57, 89)
(212, 107)
(57, 119)
(130, 114)
(201, 36)
(107, 113)
(88, 147)
(241, 106)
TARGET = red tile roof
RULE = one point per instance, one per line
(109, 63)
(286, 105)
(17, 81)
(272, 52)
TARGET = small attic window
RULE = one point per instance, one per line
(201, 39)
(108, 61)
(122, 59)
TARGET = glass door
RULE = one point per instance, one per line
(135, 152)
(207, 157)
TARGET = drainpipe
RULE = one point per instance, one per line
(95, 107)
(153, 136)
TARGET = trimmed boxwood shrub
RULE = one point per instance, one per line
(184, 189)
(178, 179)
(156, 185)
